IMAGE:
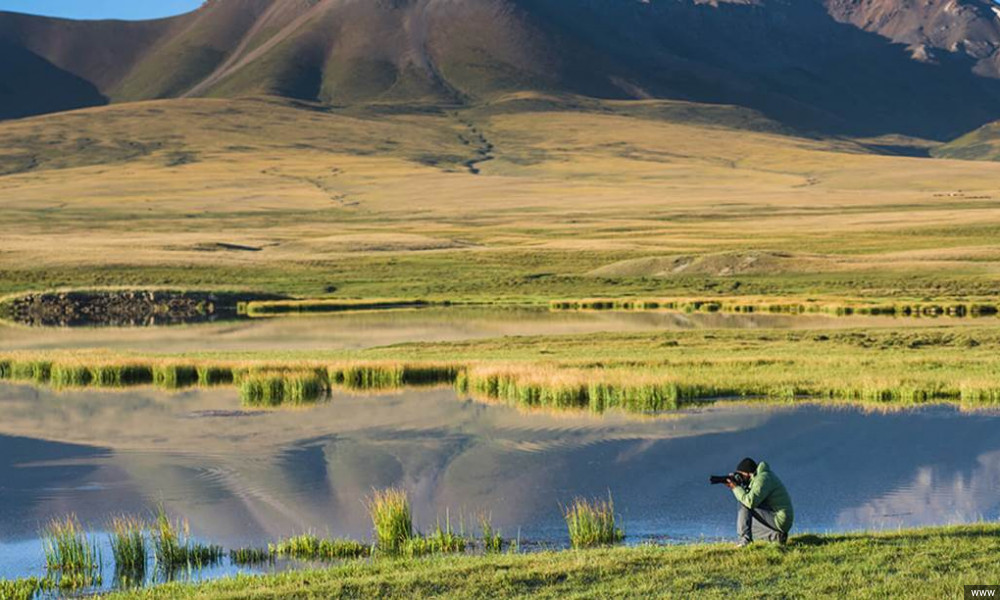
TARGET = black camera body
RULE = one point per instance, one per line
(736, 478)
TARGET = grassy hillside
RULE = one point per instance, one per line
(981, 144)
(931, 563)
(572, 198)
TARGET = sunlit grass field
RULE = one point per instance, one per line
(931, 563)
(616, 199)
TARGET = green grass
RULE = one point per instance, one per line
(441, 540)
(172, 376)
(251, 556)
(69, 375)
(21, 589)
(211, 375)
(922, 564)
(128, 546)
(310, 547)
(37, 371)
(121, 374)
(173, 548)
(269, 389)
(491, 538)
(71, 558)
(392, 519)
(593, 523)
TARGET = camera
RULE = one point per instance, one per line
(737, 479)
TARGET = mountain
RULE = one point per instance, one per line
(862, 67)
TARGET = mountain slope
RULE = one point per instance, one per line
(981, 144)
(846, 66)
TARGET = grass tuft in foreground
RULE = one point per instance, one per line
(251, 556)
(442, 540)
(492, 539)
(310, 547)
(21, 589)
(593, 523)
(173, 548)
(392, 519)
(70, 557)
(128, 545)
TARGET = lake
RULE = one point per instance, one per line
(358, 330)
(247, 477)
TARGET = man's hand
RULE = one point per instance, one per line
(730, 484)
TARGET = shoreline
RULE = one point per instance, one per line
(923, 563)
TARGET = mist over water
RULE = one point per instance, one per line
(247, 478)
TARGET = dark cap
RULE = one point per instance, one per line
(747, 465)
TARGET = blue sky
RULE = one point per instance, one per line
(101, 9)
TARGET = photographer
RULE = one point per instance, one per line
(765, 507)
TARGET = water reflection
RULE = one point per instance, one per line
(245, 478)
(379, 328)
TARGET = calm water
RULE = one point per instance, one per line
(378, 328)
(246, 478)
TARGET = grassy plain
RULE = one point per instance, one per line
(930, 563)
(579, 198)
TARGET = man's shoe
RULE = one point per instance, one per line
(782, 538)
(743, 543)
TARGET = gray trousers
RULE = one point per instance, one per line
(757, 524)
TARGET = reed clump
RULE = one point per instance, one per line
(275, 388)
(251, 556)
(592, 523)
(212, 375)
(310, 547)
(392, 518)
(173, 548)
(70, 557)
(381, 376)
(121, 374)
(38, 371)
(174, 376)
(491, 538)
(128, 545)
(69, 375)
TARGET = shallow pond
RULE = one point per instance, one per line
(379, 328)
(245, 478)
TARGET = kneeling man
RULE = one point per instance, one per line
(765, 507)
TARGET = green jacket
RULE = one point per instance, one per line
(767, 490)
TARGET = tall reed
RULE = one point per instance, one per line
(128, 545)
(121, 374)
(274, 388)
(592, 523)
(69, 375)
(209, 375)
(173, 548)
(70, 557)
(491, 538)
(393, 521)
(38, 371)
(442, 540)
(173, 376)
